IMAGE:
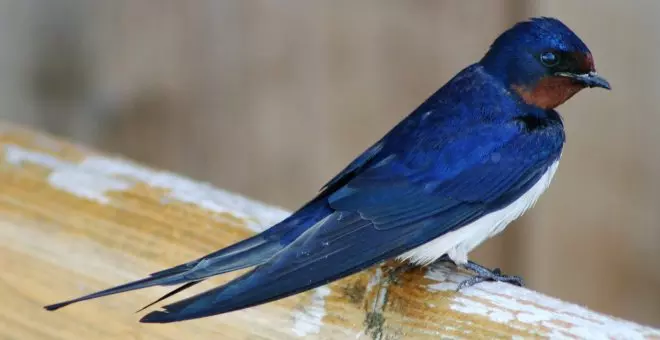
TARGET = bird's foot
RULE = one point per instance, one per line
(485, 274)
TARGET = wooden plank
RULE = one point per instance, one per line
(73, 221)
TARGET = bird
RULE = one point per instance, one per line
(455, 172)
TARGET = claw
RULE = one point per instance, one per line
(485, 274)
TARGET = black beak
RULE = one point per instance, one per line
(591, 79)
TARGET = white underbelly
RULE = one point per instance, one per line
(457, 244)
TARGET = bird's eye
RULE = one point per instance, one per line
(549, 59)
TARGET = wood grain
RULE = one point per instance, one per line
(73, 221)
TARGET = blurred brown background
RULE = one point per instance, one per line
(271, 98)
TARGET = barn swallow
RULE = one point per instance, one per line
(469, 160)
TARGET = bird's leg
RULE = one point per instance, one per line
(485, 274)
(482, 274)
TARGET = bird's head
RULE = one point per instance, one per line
(542, 61)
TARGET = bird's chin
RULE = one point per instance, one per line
(549, 92)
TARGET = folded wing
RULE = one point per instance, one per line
(390, 207)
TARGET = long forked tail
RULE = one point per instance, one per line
(247, 253)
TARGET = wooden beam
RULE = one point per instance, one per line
(73, 221)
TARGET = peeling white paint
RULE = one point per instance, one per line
(381, 299)
(382, 285)
(310, 319)
(501, 316)
(67, 176)
(374, 280)
(96, 176)
(85, 184)
(526, 309)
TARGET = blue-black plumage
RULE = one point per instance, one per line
(469, 160)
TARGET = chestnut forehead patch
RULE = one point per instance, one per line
(585, 61)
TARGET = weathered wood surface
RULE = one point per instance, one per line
(73, 221)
